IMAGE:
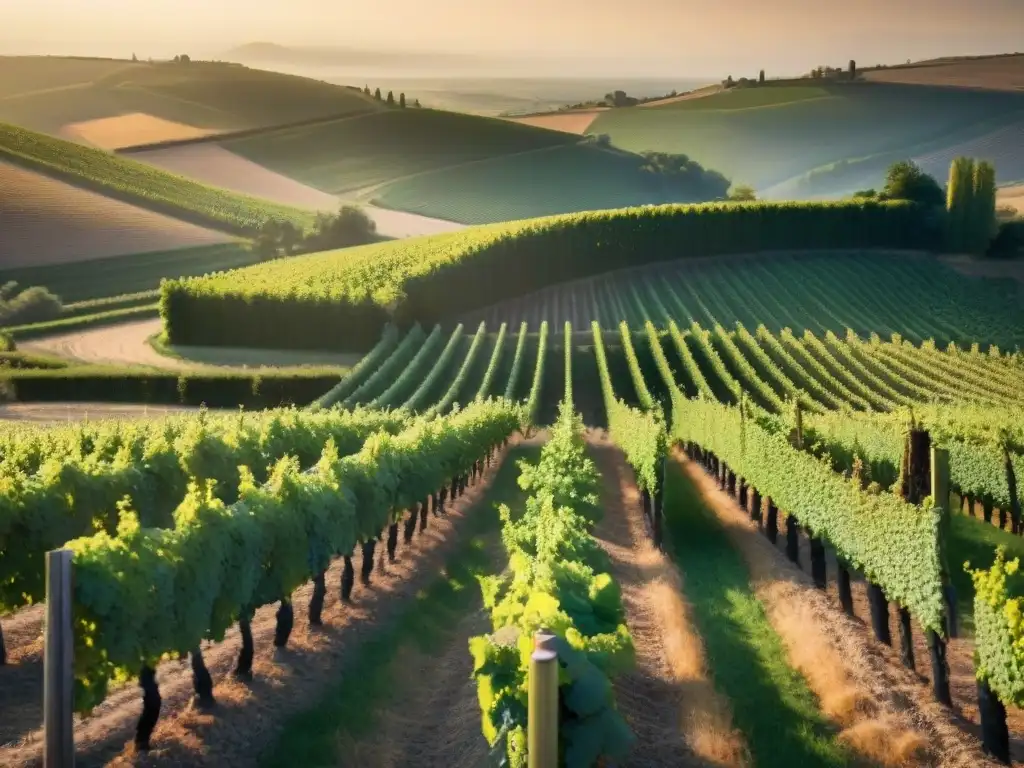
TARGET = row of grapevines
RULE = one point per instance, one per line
(808, 380)
(951, 364)
(533, 401)
(895, 544)
(643, 394)
(142, 593)
(999, 630)
(773, 370)
(857, 373)
(790, 347)
(751, 378)
(517, 363)
(492, 366)
(407, 376)
(703, 341)
(930, 377)
(418, 398)
(398, 361)
(71, 497)
(639, 433)
(460, 378)
(977, 459)
(689, 362)
(365, 367)
(557, 579)
(893, 377)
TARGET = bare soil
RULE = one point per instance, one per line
(1004, 73)
(131, 130)
(248, 716)
(45, 221)
(567, 122)
(700, 93)
(666, 699)
(48, 413)
(911, 690)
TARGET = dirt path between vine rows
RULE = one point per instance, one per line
(667, 699)
(882, 706)
(248, 717)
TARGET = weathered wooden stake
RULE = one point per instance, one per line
(986, 507)
(792, 540)
(771, 527)
(58, 658)
(995, 735)
(542, 718)
(940, 668)
(843, 585)
(906, 639)
(818, 569)
(348, 577)
(392, 541)
(879, 613)
(755, 506)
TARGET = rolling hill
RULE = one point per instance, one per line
(1004, 72)
(770, 135)
(62, 96)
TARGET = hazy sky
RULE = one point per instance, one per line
(692, 38)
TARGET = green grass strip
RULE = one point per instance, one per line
(772, 705)
(371, 681)
(973, 540)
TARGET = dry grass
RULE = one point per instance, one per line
(567, 122)
(998, 73)
(130, 131)
(670, 694)
(44, 221)
(885, 715)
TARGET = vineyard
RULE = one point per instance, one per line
(186, 532)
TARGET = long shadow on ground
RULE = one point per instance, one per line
(771, 702)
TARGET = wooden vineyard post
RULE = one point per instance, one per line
(936, 643)
(818, 567)
(542, 716)
(58, 676)
(995, 735)
(792, 540)
(772, 525)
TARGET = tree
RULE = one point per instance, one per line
(416, 104)
(853, 69)
(177, 59)
(742, 193)
(376, 94)
(184, 58)
(349, 226)
(906, 181)
(959, 203)
(401, 100)
(134, 57)
(366, 90)
(983, 207)
(391, 99)
(760, 78)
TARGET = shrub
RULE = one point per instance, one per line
(33, 305)
(7, 343)
(906, 181)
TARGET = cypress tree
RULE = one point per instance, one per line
(376, 94)
(401, 100)
(983, 206)
(391, 98)
(958, 203)
(760, 77)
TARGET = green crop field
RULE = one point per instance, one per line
(140, 184)
(49, 93)
(777, 142)
(749, 98)
(371, 149)
(562, 180)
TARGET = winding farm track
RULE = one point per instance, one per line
(50, 413)
(249, 716)
(123, 344)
